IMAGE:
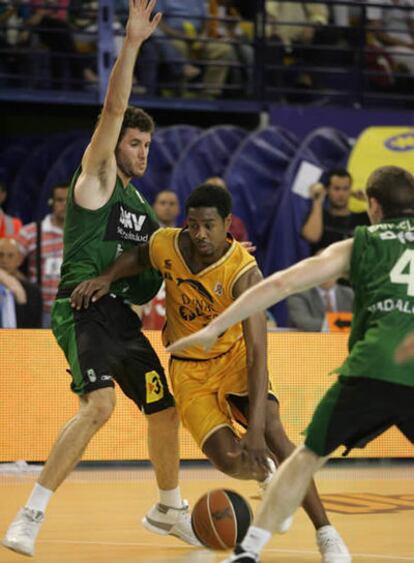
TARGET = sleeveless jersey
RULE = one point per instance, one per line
(193, 300)
(382, 274)
(93, 239)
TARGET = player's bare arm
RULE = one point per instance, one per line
(253, 444)
(129, 264)
(333, 262)
(97, 179)
(405, 350)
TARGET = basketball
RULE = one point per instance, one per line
(220, 519)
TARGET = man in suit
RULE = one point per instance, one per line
(307, 310)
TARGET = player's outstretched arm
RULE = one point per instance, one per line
(333, 262)
(130, 263)
(97, 180)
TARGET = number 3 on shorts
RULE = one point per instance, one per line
(154, 387)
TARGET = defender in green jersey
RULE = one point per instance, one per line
(372, 392)
(105, 216)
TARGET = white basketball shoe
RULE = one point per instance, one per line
(331, 546)
(22, 532)
(166, 520)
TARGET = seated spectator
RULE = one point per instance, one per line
(334, 221)
(295, 39)
(237, 228)
(186, 23)
(12, 36)
(307, 310)
(167, 208)
(393, 29)
(20, 300)
(226, 23)
(9, 226)
(49, 21)
(42, 244)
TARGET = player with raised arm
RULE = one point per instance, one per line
(105, 216)
(372, 392)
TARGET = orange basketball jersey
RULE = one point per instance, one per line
(193, 300)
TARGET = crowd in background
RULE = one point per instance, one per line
(210, 49)
(31, 256)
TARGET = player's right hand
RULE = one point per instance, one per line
(205, 338)
(140, 25)
(317, 191)
(89, 291)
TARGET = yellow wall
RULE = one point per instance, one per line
(35, 399)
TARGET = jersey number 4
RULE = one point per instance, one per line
(403, 271)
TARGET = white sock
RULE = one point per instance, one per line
(172, 497)
(255, 539)
(39, 499)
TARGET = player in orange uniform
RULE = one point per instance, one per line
(205, 270)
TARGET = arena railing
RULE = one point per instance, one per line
(336, 60)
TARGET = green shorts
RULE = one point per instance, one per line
(104, 343)
(355, 410)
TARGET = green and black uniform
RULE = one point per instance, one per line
(105, 341)
(372, 392)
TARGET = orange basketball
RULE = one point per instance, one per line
(220, 519)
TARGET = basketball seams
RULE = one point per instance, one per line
(221, 542)
(235, 520)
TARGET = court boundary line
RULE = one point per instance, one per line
(179, 547)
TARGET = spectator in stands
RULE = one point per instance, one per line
(333, 222)
(20, 300)
(12, 35)
(167, 208)
(226, 23)
(186, 24)
(42, 244)
(307, 311)
(237, 227)
(393, 29)
(9, 226)
(49, 21)
(295, 40)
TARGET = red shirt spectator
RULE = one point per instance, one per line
(238, 229)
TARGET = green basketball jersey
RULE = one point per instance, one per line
(93, 239)
(382, 275)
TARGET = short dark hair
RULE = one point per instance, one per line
(3, 187)
(340, 172)
(209, 195)
(61, 186)
(393, 188)
(166, 191)
(136, 118)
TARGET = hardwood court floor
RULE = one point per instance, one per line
(95, 516)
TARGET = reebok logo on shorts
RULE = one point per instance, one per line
(154, 387)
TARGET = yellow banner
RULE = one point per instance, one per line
(375, 147)
(36, 400)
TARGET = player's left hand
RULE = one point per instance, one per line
(89, 291)
(205, 338)
(255, 453)
(405, 351)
